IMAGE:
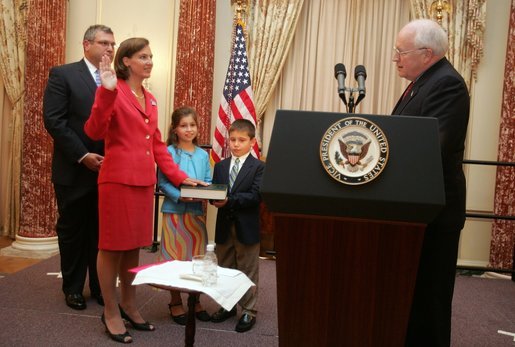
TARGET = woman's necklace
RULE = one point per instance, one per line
(136, 95)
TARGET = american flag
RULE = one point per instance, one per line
(237, 97)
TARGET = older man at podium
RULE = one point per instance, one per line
(436, 90)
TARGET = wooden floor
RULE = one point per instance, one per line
(9, 265)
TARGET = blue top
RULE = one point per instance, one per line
(196, 165)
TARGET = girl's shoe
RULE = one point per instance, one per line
(180, 318)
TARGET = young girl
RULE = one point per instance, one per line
(184, 231)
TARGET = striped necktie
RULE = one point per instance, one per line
(97, 78)
(234, 172)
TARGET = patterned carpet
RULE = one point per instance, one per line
(33, 313)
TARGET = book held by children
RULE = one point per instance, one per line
(211, 192)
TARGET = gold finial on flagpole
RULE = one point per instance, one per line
(241, 8)
(438, 7)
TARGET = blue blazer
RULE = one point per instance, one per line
(195, 165)
(243, 202)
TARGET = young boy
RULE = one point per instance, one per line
(237, 224)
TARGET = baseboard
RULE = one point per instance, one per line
(469, 262)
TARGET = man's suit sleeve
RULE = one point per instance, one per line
(446, 102)
(56, 117)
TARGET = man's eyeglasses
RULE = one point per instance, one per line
(398, 54)
(104, 44)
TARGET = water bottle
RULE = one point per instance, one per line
(210, 266)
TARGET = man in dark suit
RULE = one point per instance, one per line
(436, 90)
(237, 221)
(67, 103)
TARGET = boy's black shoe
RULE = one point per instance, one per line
(222, 314)
(245, 323)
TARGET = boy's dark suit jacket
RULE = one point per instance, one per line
(442, 93)
(242, 207)
(68, 99)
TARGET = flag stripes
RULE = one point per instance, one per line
(237, 97)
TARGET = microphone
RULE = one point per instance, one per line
(360, 74)
(340, 74)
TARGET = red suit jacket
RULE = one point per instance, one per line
(132, 139)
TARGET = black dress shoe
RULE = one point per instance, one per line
(222, 314)
(75, 301)
(99, 298)
(245, 323)
(203, 316)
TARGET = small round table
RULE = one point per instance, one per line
(193, 296)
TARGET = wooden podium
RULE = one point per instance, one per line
(347, 255)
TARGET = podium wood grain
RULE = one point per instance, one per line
(343, 281)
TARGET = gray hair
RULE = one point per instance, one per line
(92, 31)
(429, 34)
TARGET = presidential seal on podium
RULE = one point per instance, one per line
(354, 151)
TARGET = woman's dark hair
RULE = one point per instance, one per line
(127, 49)
(177, 115)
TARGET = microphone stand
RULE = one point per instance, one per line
(351, 106)
(342, 96)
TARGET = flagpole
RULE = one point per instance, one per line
(237, 95)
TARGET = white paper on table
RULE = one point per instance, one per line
(231, 285)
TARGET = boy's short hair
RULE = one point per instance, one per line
(243, 125)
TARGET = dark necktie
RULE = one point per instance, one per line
(407, 91)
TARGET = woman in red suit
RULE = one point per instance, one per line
(124, 115)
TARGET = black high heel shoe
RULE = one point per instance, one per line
(146, 326)
(122, 338)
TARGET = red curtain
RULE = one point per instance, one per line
(195, 61)
(503, 231)
(45, 48)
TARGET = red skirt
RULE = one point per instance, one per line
(125, 216)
